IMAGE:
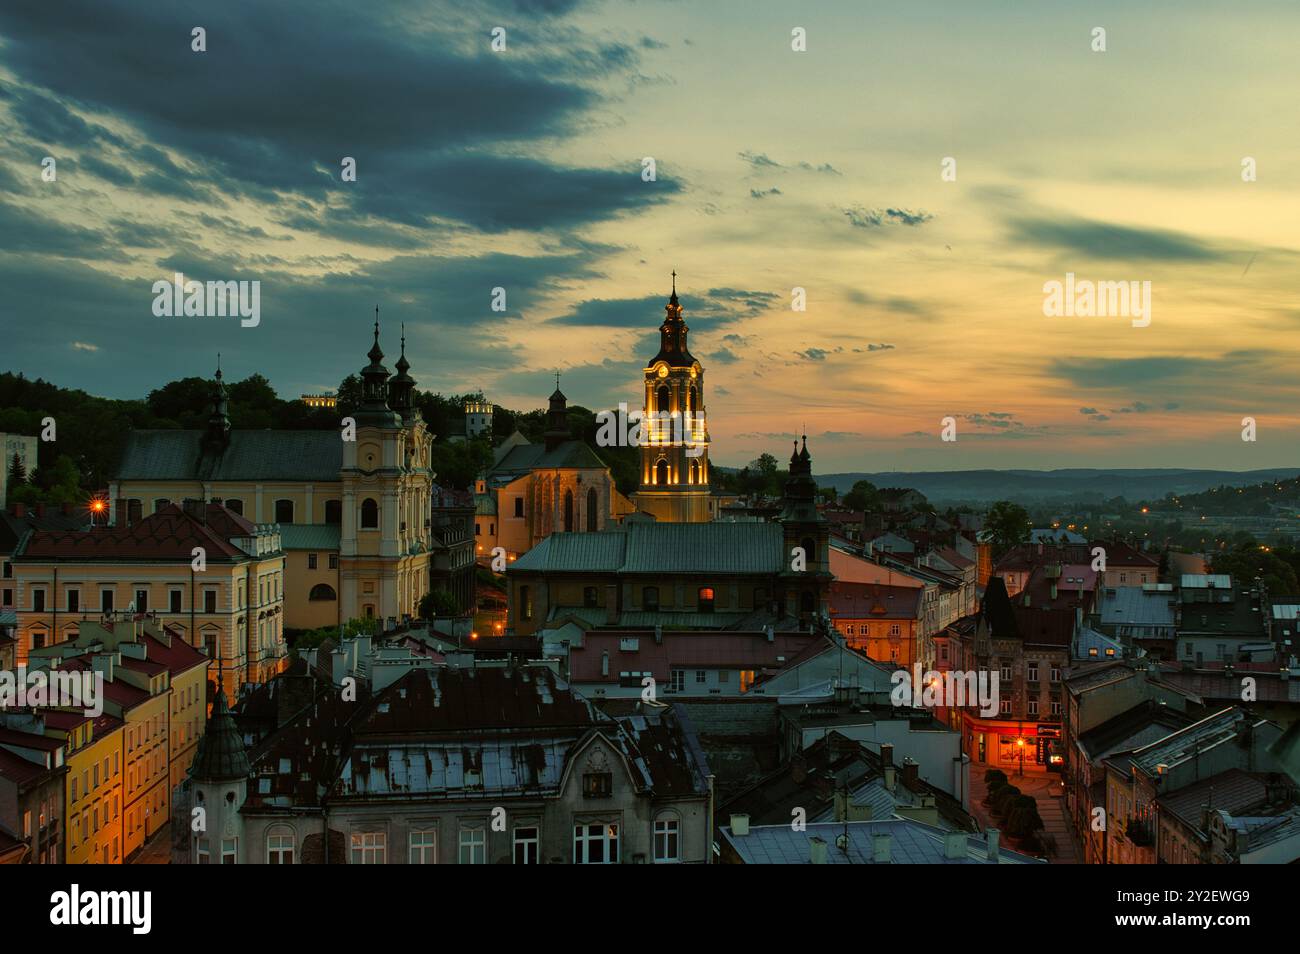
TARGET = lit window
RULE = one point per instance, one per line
(369, 848)
(595, 844)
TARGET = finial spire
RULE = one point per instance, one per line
(376, 324)
(403, 338)
(557, 380)
(218, 364)
(674, 281)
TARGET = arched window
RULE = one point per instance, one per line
(369, 514)
(661, 472)
(663, 399)
(284, 511)
(593, 508)
(704, 598)
(695, 471)
(160, 503)
(235, 505)
(568, 510)
(322, 591)
(333, 511)
(690, 399)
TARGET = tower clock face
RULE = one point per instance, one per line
(663, 371)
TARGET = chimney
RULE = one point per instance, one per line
(611, 604)
(604, 663)
(659, 634)
(954, 844)
(817, 850)
(909, 772)
(886, 753)
(740, 825)
(103, 662)
(1053, 589)
(891, 778)
(769, 632)
(880, 843)
(991, 837)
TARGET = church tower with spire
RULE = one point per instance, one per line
(387, 483)
(674, 484)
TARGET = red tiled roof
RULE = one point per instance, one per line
(125, 695)
(852, 569)
(1232, 791)
(180, 657)
(872, 601)
(28, 740)
(169, 534)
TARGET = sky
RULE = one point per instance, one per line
(775, 169)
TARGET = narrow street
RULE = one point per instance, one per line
(1046, 790)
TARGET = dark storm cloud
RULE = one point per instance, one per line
(26, 231)
(277, 101)
(1128, 373)
(716, 304)
(1115, 242)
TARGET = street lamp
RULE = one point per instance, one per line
(1020, 744)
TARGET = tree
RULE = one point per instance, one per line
(437, 603)
(863, 496)
(17, 472)
(1009, 524)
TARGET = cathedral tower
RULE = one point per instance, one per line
(675, 452)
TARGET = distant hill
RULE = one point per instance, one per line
(1024, 486)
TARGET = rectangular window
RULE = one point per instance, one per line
(526, 846)
(597, 784)
(473, 846)
(701, 676)
(142, 601)
(595, 844)
(1056, 674)
(229, 850)
(704, 597)
(334, 561)
(424, 847)
(175, 597)
(525, 603)
(311, 561)
(667, 841)
(38, 601)
(202, 851)
(1032, 672)
(209, 601)
(650, 599)
(519, 506)
(369, 848)
(678, 680)
(279, 849)
(74, 601)
(1006, 673)
(1033, 707)
(589, 597)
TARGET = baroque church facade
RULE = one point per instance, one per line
(352, 505)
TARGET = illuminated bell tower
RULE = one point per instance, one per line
(675, 452)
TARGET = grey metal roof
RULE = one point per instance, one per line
(663, 548)
(911, 843)
(1136, 606)
(309, 536)
(220, 754)
(251, 455)
(525, 457)
(705, 548)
